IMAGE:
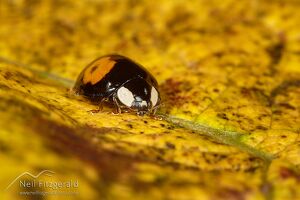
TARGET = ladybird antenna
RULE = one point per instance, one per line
(66, 82)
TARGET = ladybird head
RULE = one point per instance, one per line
(138, 95)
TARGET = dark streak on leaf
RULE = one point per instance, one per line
(232, 193)
(70, 141)
(282, 88)
(275, 52)
(172, 90)
(286, 173)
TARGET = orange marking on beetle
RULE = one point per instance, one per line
(97, 70)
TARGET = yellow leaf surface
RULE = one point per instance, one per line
(229, 77)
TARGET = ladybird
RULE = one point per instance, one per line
(120, 81)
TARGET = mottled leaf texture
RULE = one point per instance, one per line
(229, 77)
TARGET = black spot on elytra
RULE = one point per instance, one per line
(93, 69)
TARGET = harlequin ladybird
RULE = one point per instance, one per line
(120, 81)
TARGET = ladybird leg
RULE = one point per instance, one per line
(100, 107)
(154, 109)
(153, 114)
(118, 108)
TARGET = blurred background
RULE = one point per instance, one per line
(223, 63)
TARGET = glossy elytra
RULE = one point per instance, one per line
(120, 81)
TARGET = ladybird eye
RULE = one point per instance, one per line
(154, 96)
(125, 96)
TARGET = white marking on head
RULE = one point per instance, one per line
(144, 103)
(125, 96)
(154, 96)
